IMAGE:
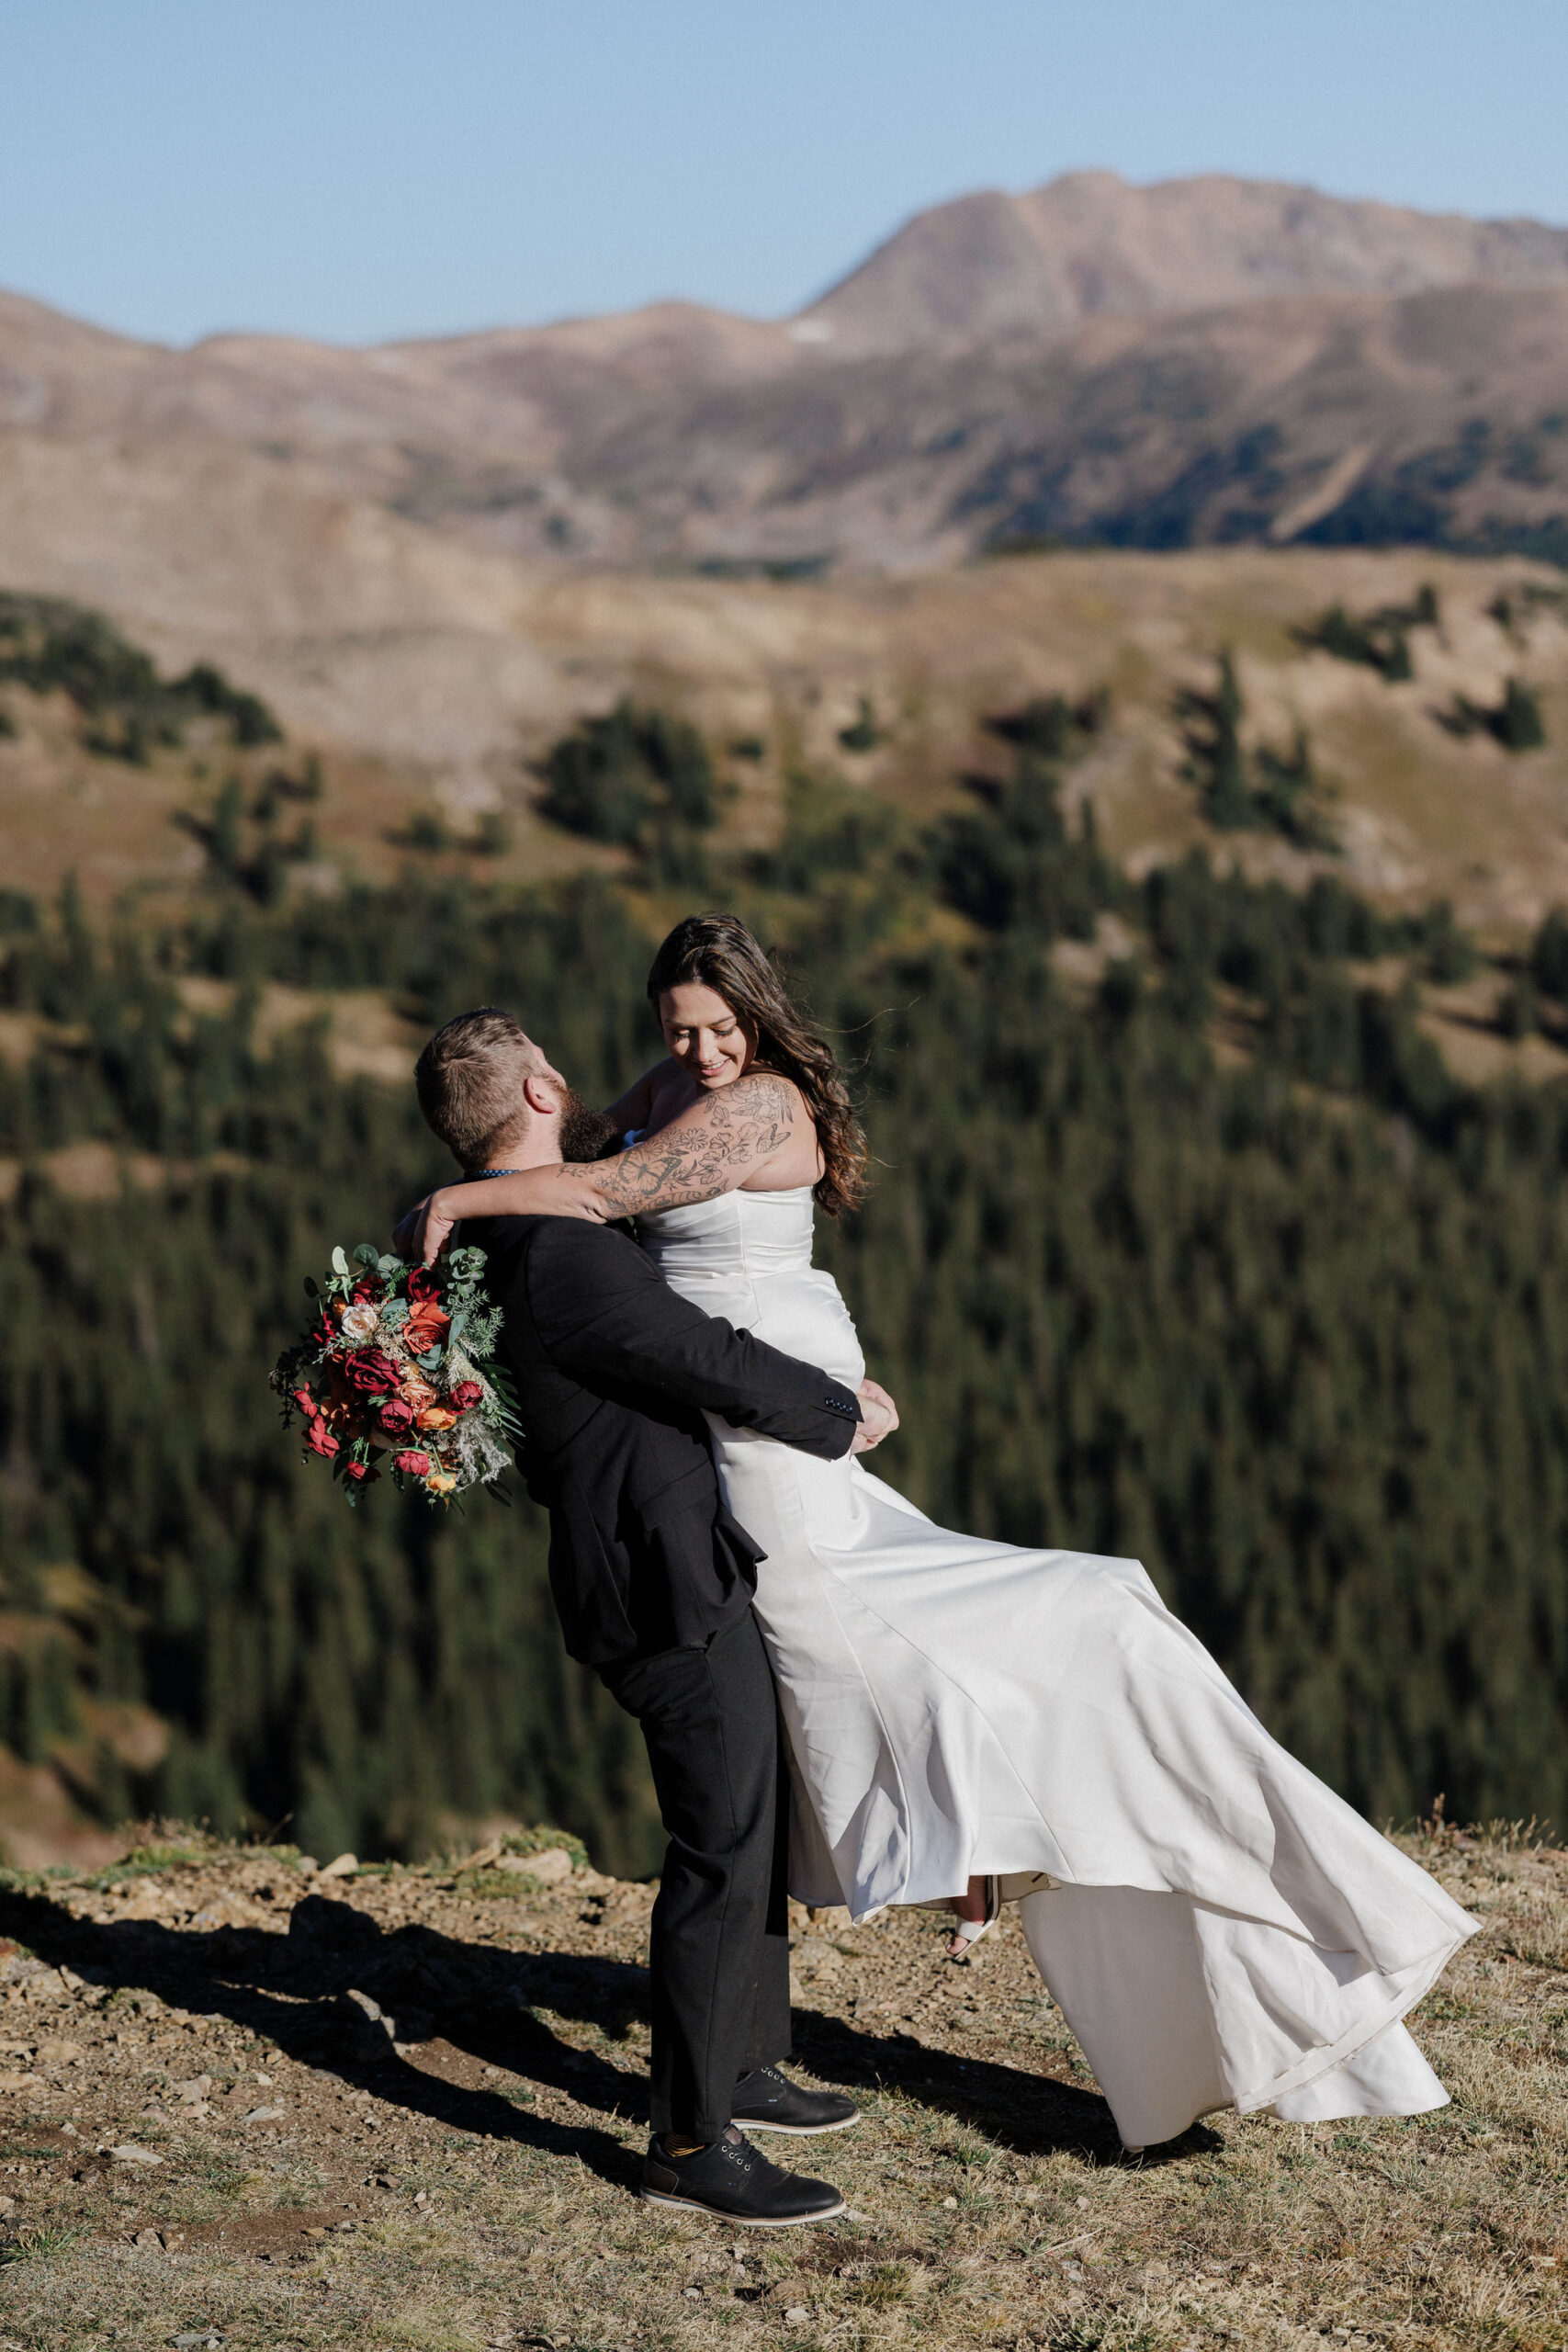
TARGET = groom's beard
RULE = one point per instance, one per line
(585, 1134)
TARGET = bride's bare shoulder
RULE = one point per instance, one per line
(762, 1097)
(671, 1092)
(640, 1102)
(772, 1126)
(752, 1122)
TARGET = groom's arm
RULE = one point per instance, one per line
(606, 1314)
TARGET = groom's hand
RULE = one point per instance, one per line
(879, 1416)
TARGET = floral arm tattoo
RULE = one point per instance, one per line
(710, 1149)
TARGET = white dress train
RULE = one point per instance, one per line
(1218, 1928)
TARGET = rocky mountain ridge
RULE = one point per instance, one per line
(1208, 360)
(1088, 244)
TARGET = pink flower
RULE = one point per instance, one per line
(396, 1417)
(371, 1372)
(359, 1470)
(307, 1403)
(465, 1395)
(321, 1440)
(413, 1465)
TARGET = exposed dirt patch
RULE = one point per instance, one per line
(263, 2234)
(387, 2111)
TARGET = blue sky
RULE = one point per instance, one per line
(362, 169)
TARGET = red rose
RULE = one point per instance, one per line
(466, 1394)
(369, 1286)
(396, 1417)
(371, 1372)
(306, 1402)
(321, 1440)
(413, 1465)
(423, 1288)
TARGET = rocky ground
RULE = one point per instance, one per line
(250, 2102)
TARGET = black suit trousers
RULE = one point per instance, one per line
(720, 1931)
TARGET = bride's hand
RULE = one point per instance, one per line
(555, 1189)
(879, 1417)
(424, 1230)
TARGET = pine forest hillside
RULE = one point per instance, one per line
(1188, 1240)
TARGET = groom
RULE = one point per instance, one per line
(652, 1580)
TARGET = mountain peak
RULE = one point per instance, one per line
(1090, 242)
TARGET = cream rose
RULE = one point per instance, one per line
(359, 1323)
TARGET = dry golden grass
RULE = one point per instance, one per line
(119, 830)
(470, 2184)
(491, 661)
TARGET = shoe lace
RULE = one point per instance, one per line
(741, 2154)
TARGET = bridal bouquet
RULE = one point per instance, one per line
(395, 1365)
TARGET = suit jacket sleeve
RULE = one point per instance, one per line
(604, 1314)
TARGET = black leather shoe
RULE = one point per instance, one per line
(768, 2101)
(734, 2182)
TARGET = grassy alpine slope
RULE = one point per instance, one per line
(425, 716)
(1187, 1242)
(401, 2108)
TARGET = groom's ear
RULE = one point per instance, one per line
(541, 1095)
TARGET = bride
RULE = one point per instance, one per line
(969, 1723)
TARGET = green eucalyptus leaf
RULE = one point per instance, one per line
(312, 1289)
(340, 1263)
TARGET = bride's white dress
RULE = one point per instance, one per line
(1218, 1928)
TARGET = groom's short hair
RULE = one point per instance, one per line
(469, 1081)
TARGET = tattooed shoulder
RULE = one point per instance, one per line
(708, 1150)
(760, 1102)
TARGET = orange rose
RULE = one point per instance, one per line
(437, 1417)
(424, 1329)
(417, 1391)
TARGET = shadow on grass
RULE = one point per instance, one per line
(295, 1990)
(1030, 2114)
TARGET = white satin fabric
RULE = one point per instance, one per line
(1218, 1928)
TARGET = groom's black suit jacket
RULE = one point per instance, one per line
(612, 1372)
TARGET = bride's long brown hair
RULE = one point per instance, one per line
(721, 953)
